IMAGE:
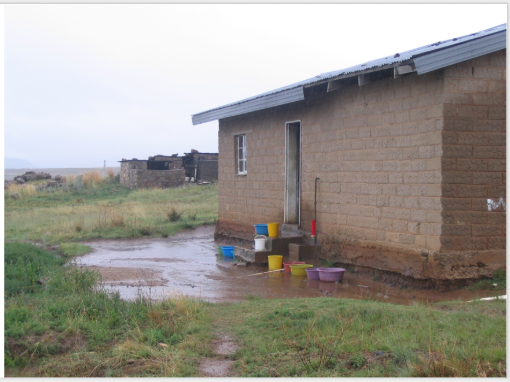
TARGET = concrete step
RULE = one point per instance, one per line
(251, 256)
(304, 252)
(274, 246)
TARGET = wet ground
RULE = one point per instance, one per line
(188, 264)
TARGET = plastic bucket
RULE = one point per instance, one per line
(220, 251)
(312, 274)
(272, 229)
(260, 243)
(287, 264)
(228, 251)
(261, 229)
(331, 274)
(274, 262)
(299, 269)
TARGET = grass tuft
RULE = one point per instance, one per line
(173, 214)
(92, 179)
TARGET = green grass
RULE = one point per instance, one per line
(108, 211)
(69, 250)
(497, 282)
(71, 326)
(24, 265)
(285, 338)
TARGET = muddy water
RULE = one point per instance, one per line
(188, 264)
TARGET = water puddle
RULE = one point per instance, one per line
(188, 264)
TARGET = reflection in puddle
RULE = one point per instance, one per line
(162, 268)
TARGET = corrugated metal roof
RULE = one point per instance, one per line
(257, 103)
(441, 59)
(460, 53)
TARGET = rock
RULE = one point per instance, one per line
(20, 180)
(42, 175)
(59, 179)
(31, 176)
(15, 196)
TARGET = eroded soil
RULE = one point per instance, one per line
(188, 264)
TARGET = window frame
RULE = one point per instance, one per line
(241, 154)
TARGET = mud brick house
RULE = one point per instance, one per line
(169, 171)
(409, 150)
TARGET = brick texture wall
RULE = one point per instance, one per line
(375, 148)
(405, 165)
(134, 174)
(125, 166)
(155, 178)
(474, 154)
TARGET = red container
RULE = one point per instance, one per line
(331, 274)
(286, 265)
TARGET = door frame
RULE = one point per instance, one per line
(299, 174)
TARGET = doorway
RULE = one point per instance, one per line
(292, 172)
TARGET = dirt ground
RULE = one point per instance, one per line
(188, 264)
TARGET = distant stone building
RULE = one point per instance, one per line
(163, 171)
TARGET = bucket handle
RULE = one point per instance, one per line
(265, 237)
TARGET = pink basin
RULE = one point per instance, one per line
(331, 274)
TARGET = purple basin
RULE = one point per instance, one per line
(331, 274)
(312, 273)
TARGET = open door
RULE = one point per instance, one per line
(292, 172)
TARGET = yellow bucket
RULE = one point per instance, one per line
(275, 262)
(299, 269)
(272, 228)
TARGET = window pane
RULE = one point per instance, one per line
(241, 154)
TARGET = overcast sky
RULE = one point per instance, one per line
(88, 83)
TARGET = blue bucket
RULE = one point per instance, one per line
(228, 251)
(261, 229)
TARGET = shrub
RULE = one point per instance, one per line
(110, 173)
(21, 189)
(92, 179)
(70, 179)
(173, 215)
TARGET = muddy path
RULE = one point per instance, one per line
(220, 365)
(188, 264)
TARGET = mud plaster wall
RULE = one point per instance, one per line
(380, 153)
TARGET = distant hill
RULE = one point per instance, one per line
(17, 163)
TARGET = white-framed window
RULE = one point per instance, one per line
(241, 154)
